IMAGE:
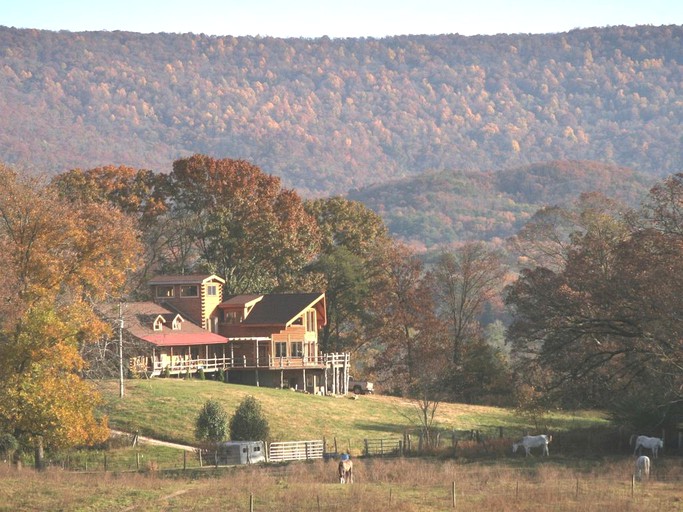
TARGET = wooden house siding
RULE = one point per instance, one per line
(269, 339)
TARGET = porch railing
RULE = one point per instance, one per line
(182, 365)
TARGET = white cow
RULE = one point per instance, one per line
(643, 468)
(529, 442)
(651, 443)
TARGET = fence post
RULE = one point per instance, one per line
(184, 460)
(137, 461)
(251, 502)
(453, 494)
(105, 462)
(367, 452)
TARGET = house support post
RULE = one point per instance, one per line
(256, 357)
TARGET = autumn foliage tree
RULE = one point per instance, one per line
(605, 329)
(244, 226)
(464, 282)
(354, 246)
(57, 259)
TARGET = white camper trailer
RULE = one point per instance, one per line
(241, 452)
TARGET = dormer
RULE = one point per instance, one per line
(175, 322)
(236, 309)
(159, 322)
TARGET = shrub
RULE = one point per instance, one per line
(248, 422)
(200, 374)
(167, 372)
(8, 444)
(211, 423)
(220, 376)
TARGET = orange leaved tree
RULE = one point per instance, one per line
(56, 259)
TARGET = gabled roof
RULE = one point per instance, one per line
(139, 317)
(275, 308)
(242, 300)
(185, 279)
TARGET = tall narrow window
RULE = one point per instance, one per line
(311, 321)
(281, 349)
(212, 290)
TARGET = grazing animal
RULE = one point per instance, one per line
(643, 467)
(651, 443)
(529, 442)
(345, 470)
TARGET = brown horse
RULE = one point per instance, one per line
(345, 471)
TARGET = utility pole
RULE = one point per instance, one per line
(120, 350)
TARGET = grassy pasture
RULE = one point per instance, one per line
(166, 409)
(381, 485)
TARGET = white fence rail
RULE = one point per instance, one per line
(295, 450)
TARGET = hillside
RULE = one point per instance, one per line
(328, 115)
(166, 409)
(438, 208)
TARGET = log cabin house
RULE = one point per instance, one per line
(266, 340)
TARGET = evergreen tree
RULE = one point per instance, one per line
(248, 423)
(211, 424)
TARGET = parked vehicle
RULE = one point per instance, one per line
(241, 452)
(360, 387)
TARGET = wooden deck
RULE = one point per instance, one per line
(180, 365)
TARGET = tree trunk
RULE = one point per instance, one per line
(16, 459)
(39, 454)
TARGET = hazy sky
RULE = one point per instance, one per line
(337, 18)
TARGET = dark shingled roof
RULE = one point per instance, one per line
(280, 308)
(277, 308)
(185, 279)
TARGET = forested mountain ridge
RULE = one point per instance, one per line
(328, 115)
(444, 207)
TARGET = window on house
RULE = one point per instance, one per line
(212, 290)
(190, 290)
(311, 321)
(297, 349)
(176, 324)
(232, 317)
(158, 324)
(164, 291)
(281, 349)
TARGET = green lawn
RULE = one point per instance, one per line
(166, 409)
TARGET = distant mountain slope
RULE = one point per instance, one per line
(328, 115)
(439, 208)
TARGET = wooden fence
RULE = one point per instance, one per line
(382, 447)
(295, 450)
